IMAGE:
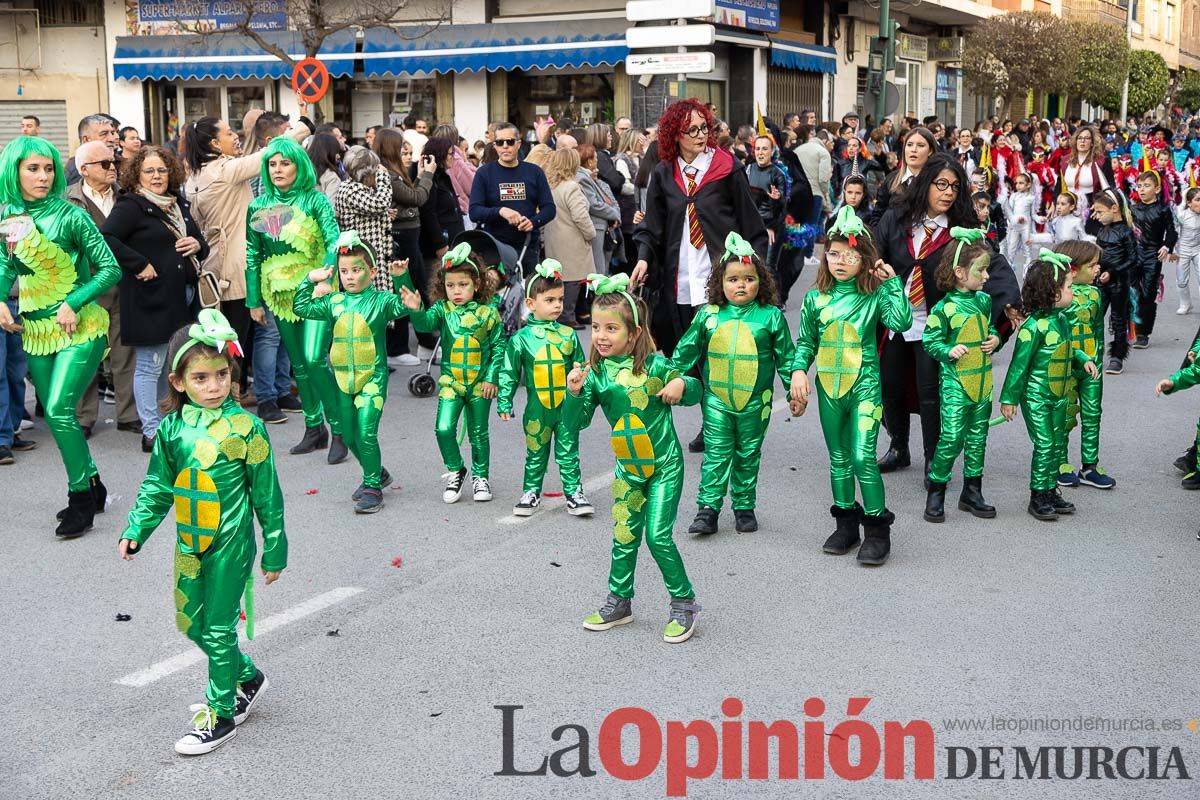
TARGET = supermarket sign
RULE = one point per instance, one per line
(269, 15)
(756, 15)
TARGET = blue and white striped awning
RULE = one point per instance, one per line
(498, 46)
(802, 56)
(224, 55)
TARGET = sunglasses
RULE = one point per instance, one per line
(505, 142)
(106, 163)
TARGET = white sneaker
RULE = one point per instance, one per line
(26, 425)
(528, 504)
(482, 490)
(1184, 308)
(208, 732)
(454, 485)
(406, 360)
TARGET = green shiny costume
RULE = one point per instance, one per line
(746, 346)
(1037, 379)
(961, 317)
(546, 352)
(216, 468)
(53, 247)
(1083, 393)
(472, 338)
(358, 355)
(649, 474)
(837, 329)
(1188, 377)
(288, 234)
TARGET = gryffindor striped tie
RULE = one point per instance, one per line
(694, 233)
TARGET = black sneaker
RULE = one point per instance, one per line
(1061, 505)
(1191, 481)
(147, 444)
(528, 504)
(744, 520)
(248, 694)
(290, 403)
(6, 456)
(369, 502)
(705, 522)
(682, 624)
(615, 611)
(1141, 343)
(385, 479)
(697, 445)
(578, 505)
(269, 413)
(208, 732)
(1115, 366)
(20, 445)
(454, 485)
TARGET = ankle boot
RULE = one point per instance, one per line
(971, 499)
(337, 450)
(1041, 506)
(935, 503)
(845, 538)
(705, 522)
(80, 512)
(895, 458)
(877, 539)
(99, 495)
(1061, 505)
(315, 438)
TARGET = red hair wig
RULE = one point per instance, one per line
(676, 120)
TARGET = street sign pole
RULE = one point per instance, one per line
(682, 77)
(889, 50)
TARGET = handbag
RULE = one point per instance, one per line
(208, 282)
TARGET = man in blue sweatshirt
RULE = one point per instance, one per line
(510, 198)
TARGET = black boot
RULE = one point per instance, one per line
(935, 503)
(1187, 462)
(697, 445)
(81, 510)
(895, 458)
(877, 539)
(1041, 506)
(744, 520)
(845, 538)
(99, 496)
(315, 438)
(705, 522)
(337, 450)
(971, 499)
(1061, 506)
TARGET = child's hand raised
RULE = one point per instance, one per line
(799, 389)
(990, 344)
(958, 351)
(1092, 370)
(672, 393)
(398, 268)
(410, 299)
(883, 271)
(1164, 386)
(320, 274)
(126, 548)
(577, 377)
(1008, 411)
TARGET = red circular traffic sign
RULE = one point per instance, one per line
(310, 80)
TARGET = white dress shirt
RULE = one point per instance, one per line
(921, 315)
(695, 265)
(104, 202)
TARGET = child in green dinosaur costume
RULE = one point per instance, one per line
(855, 291)
(472, 340)
(53, 248)
(959, 335)
(545, 351)
(360, 316)
(290, 231)
(1185, 378)
(212, 463)
(636, 388)
(747, 343)
(1037, 378)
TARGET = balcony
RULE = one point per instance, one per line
(1094, 11)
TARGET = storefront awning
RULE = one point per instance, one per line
(804, 57)
(224, 55)
(499, 46)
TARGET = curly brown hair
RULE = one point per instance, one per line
(1042, 287)
(767, 293)
(476, 269)
(643, 345)
(865, 247)
(946, 279)
(131, 169)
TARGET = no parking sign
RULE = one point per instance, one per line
(310, 80)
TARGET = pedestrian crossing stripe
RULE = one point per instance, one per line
(839, 358)
(550, 376)
(632, 446)
(197, 510)
(352, 353)
(733, 364)
(466, 358)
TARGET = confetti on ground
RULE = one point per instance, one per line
(555, 564)
(311, 491)
(397, 562)
(124, 617)
(553, 494)
(242, 615)
(334, 632)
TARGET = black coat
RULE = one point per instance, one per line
(1156, 228)
(138, 234)
(441, 217)
(1118, 250)
(608, 172)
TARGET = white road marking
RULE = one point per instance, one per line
(168, 666)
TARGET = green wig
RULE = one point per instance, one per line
(14, 153)
(306, 176)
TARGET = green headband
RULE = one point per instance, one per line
(460, 255)
(737, 249)
(964, 237)
(350, 240)
(849, 225)
(548, 269)
(211, 329)
(614, 284)
(1060, 261)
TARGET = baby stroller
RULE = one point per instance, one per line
(511, 292)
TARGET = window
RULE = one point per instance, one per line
(62, 13)
(1169, 24)
(1152, 24)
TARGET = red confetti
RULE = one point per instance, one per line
(242, 614)
(553, 494)
(397, 561)
(311, 491)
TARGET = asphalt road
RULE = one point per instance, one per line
(390, 639)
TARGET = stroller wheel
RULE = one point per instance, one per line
(422, 384)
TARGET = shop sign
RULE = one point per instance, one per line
(646, 38)
(948, 48)
(912, 47)
(668, 63)
(947, 85)
(756, 15)
(164, 16)
(647, 10)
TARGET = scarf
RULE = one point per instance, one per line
(169, 206)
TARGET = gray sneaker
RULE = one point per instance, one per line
(370, 501)
(615, 611)
(682, 623)
(385, 480)
(578, 505)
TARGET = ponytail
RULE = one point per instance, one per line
(197, 140)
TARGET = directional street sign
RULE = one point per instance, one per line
(670, 36)
(648, 10)
(668, 63)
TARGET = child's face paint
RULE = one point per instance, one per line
(460, 287)
(982, 210)
(741, 283)
(355, 273)
(1105, 215)
(1065, 295)
(206, 381)
(546, 305)
(844, 261)
(609, 333)
(975, 275)
(1085, 274)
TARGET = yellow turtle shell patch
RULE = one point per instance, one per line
(632, 447)
(1060, 369)
(733, 364)
(197, 510)
(352, 353)
(465, 359)
(550, 376)
(975, 368)
(839, 358)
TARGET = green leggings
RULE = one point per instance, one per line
(59, 380)
(647, 507)
(307, 344)
(1084, 398)
(478, 411)
(851, 427)
(360, 426)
